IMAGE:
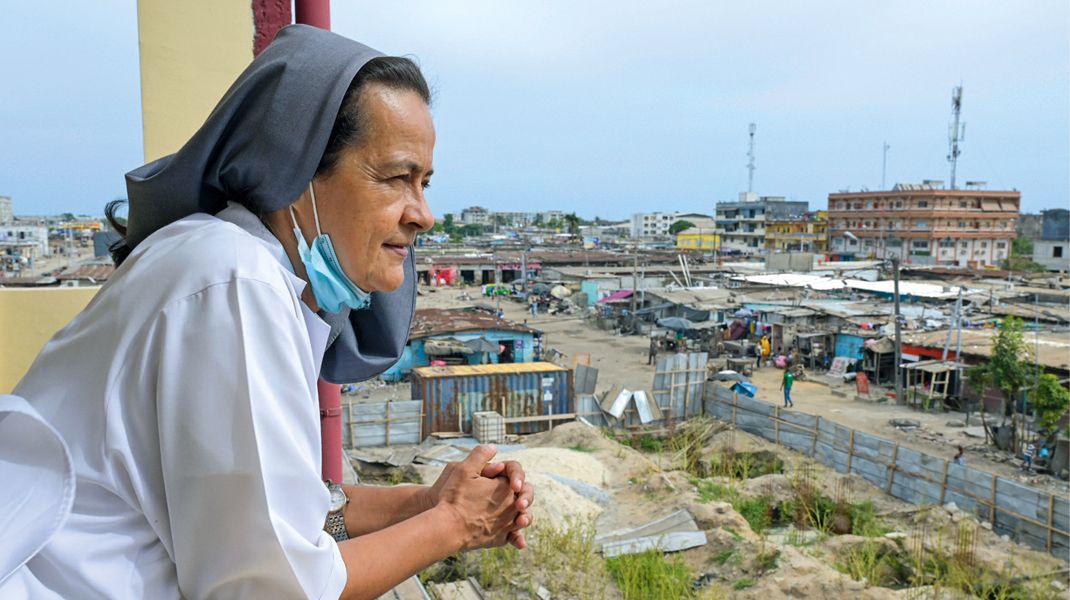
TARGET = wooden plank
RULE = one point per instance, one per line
(540, 418)
(776, 424)
(943, 484)
(851, 452)
(992, 516)
(1051, 518)
(891, 471)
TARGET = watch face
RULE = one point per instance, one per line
(338, 499)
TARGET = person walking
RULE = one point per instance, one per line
(766, 347)
(785, 384)
(1027, 462)
(652, 354)
(758, 356)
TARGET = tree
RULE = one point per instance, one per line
(538, 220)
(447, 223)
(1009, 368)
(471, 230)
(573, 223)
(1022, 246)
(1050, 401)
(679, 226)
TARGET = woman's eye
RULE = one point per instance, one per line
(426, 184)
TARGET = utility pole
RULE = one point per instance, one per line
(898, 336)
(524, 272)
(753, 128)
(955, 134)
(635, 287)
(884, 165)
(954, 324)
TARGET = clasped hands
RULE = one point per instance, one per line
(489, 503)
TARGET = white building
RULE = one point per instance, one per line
(475, 215)
(6, 214)
(655, 224)
(32, 237)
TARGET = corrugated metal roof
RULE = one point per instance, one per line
(444, 321)
(498, 369)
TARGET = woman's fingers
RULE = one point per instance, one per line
(525, 498)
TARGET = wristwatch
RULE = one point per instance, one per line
(335, 523)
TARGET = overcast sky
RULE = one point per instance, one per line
(608, 107)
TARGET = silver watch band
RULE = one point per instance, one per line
(336, 526)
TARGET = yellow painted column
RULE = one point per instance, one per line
(191, 51)
(29, 317)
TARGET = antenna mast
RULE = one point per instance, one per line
(955, 133)
(884, 164)
(750, 156)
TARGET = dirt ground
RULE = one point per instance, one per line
(621, 487)
(583, 475)
(622, 360)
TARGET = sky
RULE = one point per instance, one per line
(608, 108)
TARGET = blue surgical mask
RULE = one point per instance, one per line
(330, 285)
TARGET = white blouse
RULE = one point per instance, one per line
(185, 393)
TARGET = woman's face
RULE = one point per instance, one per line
(372, 203)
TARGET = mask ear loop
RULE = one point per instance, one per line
(315, 212)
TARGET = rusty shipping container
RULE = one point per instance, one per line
(451, 394)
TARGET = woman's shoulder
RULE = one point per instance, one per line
(201, 251)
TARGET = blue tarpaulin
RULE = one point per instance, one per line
(745, 388)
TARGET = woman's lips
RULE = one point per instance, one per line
(402, 251)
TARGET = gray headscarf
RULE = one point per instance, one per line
(260, 147)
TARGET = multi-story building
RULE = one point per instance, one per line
(1028, 226)
(925, 224)
(742, 224)
(1052, 250)
(6, 214)
(657, 224)
(808, 233)
(26, 235)
(514, 219)
(552, 215)
(475, 215)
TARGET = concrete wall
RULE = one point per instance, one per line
(1044, 253)
(191, 51)
(29, 317)
(1030, 516)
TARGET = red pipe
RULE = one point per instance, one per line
(313, 12)
(331, 429)
(318, 14)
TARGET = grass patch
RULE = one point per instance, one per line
(757, 511)
(581, 447)
(651, 576)
(562, 559)
(723, 556)
(743, 584)
(710, 491)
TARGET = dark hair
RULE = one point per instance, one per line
(394, 72)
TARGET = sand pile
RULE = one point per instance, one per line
(568, 483)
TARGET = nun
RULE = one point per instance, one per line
(166, 443)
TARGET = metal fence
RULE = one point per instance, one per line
(369, 424)
(1037, 518)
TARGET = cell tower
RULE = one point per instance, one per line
(750, 156)
(955, 132)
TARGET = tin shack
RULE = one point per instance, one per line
(528, 395)
(464, 336)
